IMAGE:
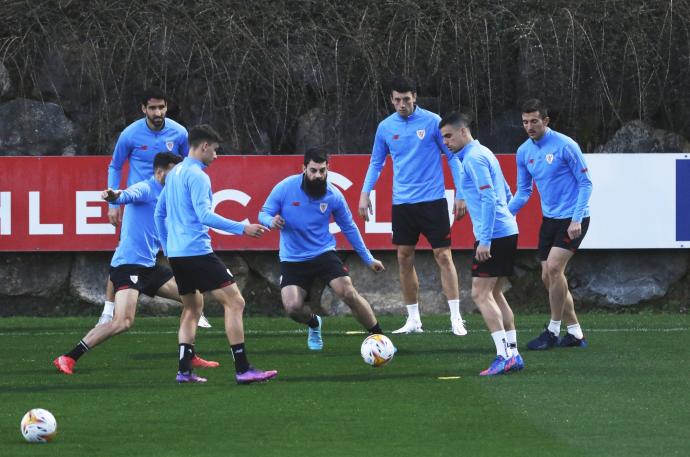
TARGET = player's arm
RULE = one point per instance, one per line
(138, 192)
(524, 185)
(184, 143)
(378, 159)
(343, 217)
(200, 190)
(159, 216)
(120, 156)
(509, 193)
(269, 215)
(578, 167)
(459, 205)
(480, 171)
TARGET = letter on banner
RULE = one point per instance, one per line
(84, 212)
(35, 225)
(231, 195)
(5, 213)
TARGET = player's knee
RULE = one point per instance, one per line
(292, 307)
(479, 295)
(443, 257)
(405, 259)
(122, 325)
(235, 303)
(553, 270)
(350, 295)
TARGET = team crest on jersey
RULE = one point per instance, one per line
(549, 158)
(169, 145)
(134, 279)
(421, 134)
(323, 207)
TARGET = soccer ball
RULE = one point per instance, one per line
(39, 426)
(377, 350)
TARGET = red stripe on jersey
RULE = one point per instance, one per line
(485, 187)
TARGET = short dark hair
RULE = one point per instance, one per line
(163, 159)
(402, 84)
(153, 92)
(203, 133)
(535, 105)
(456, 119)
(317, 153)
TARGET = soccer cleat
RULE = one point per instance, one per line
(458, 327)
(203, 322)
(190, 377)
(546, 340)
(411, 326)
(314, 340)
(569, 341)
(64, 364)
(498, 366)
(515, 363)
(104, 319)
(198, 362)
(254, 375)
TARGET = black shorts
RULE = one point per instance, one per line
(503, 251)
(428, 218)
(147, 280)
(200, 272)
(326, 266)
(554, 232)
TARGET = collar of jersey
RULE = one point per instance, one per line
(411, 117)
(463, 152)
(544, 139)
(196, 162)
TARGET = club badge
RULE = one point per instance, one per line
(323, 207)
(549, 158)
(421, 134)
(169, 145)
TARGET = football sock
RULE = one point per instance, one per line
(555, 327)
(454, 306)
(376, 329)
(186, 351)
(78, 350)
(511, 338)
(108, 308)
(499, 338)
(576, 331)
(239, 355)
(413, 312)
(313, 322)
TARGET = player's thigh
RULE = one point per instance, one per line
(406, 230)
(293, 296)
(434, 222)
(342, 286)
(229, 295)
(126, 304)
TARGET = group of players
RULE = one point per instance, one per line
(169, 206)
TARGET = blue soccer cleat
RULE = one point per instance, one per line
(515, 363)
(546, 340)
(569, 341)
(314, 340)
(498, 366)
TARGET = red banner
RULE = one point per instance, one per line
(53, 203)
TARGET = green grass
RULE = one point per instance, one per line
(625, 395)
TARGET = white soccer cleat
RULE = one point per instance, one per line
(411, 326)
(203, 322)
(104, 319)
(458, 327)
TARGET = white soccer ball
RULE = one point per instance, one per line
(39, 426)
(377, 350)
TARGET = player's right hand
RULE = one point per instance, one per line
(365, 208)
(278, 222)
(115, 216)
(377, 266)
(255, 230)
(110, 195)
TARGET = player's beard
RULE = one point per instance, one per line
(314, 188)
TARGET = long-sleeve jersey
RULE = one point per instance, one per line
(139, 242)
(184, 212)
(415, 145)
(556, 164)
(305, 234)
(138, 144)
(486, 193)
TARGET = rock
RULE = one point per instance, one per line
(5, 81)
(638, 137)
(266, 265)
(624, 278)
(382, 290)
(34, 274)
(29, 127)
(89, 276)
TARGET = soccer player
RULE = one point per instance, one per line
(133, 269)
(412, 138)
(555, 163)
(138, 144)
(301, 207)
(183, 217)
(495, 231)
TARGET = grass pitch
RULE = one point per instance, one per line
(625, 395)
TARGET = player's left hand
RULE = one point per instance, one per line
(110, 195)
(255, 230)
(459, 209)
(574, 230)
(483, 253)
(377, 266)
